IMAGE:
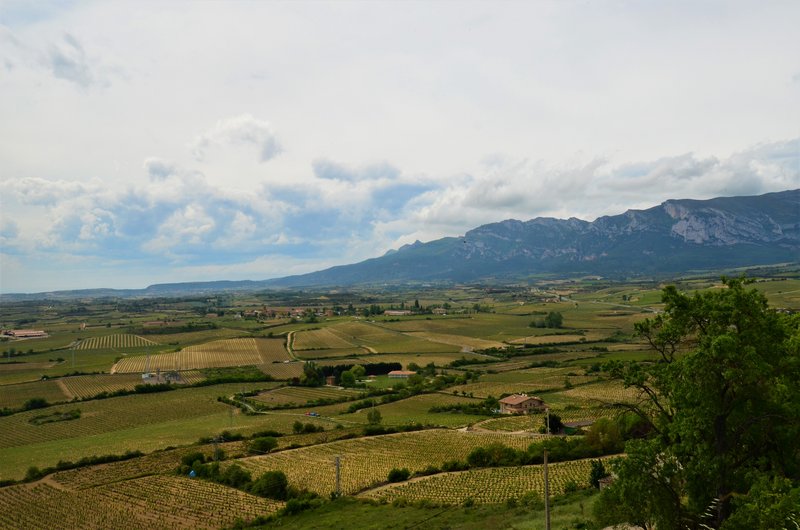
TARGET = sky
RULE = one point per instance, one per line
(153, 141)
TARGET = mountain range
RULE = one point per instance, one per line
(674, 237)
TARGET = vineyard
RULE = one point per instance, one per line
(319, 339)
(367, 461)
(271, 350)
(14, 396)
(102, 416)
(281, 371)
(535, 421)
(465, 343)
(215, 354)
(164, 501)
(301, 395)
(605, 392)
(490, 485)
(114, 342)
(84, 386)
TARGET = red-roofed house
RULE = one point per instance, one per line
(520, 404)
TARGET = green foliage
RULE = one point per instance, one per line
(347, 379)
(262, 445)
(398, 475)
(374, 416)
(272, 484)
(35, 403)
(721, 406)
(598, 471)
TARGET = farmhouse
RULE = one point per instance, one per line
(401, 374)
(520, 404)
(397, 312)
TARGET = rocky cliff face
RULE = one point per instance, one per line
(676, 236)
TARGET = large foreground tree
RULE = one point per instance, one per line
(724, 405)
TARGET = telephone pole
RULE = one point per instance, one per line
(546, 495)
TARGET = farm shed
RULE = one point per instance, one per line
(401, 374)
(520, 404)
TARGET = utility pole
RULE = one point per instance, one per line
(337, 460)
(546, 495)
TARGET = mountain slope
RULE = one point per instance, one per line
(676, 236)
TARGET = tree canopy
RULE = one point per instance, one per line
(724, 410)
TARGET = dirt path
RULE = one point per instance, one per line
(289, 349)
(64, 389)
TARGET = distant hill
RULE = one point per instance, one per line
(674, 237)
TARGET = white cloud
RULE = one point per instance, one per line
(488, 112)
(239, 130)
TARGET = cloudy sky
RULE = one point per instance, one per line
(146, 142)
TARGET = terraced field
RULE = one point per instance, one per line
(367, 461)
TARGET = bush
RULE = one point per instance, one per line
(399, 475)
(262, 445)
(272, 484)
(35, 403)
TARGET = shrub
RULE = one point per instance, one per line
(272, 484)
(262, 445)
(399, 475)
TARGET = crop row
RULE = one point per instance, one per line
(165, 501)
(84, 386)
(215, 354)
(302, 395)
(123, 340)
(490, 485)
(319, 339)
(366, 461)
